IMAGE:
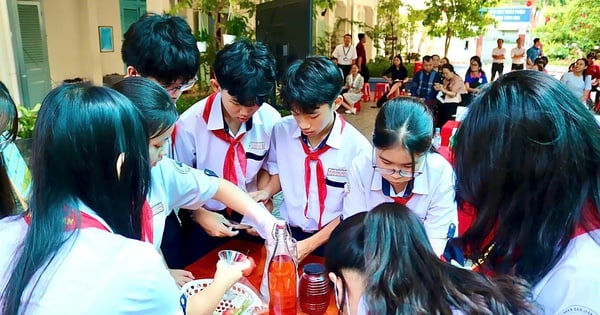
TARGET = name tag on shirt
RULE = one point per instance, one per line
(257, 146)
(157, 209)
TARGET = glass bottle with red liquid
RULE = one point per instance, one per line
(282, 275)
(314, 292)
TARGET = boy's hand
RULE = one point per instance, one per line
(213, 223)
(259, 195)
(181, 276)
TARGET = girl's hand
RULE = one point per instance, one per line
(228, 274)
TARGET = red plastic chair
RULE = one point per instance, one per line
(380, 89)
(357, 106)
(366, 92)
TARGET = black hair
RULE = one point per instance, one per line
(361, 36)
(9, 122)
(405, 276)
(531, 135)
(536, 40)
(310, 83)
(247, 71)
(155, 104)
(426, 58)
(162, 47)
(93, 126)
(345, 248)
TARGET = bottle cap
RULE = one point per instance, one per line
(314, 269)
(280, 224)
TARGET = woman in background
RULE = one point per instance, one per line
(475, 78)
(578, 81)
(354, 85)
(452, 89)
(9, 124)
(538, 218)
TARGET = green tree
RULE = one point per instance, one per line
(571, 30)
(457, 18)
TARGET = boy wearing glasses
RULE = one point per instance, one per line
(311, 151)
(228, 135)
(404, 168)
(163, 49)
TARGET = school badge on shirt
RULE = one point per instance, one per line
(157, 209)
(257, 146)
(181, 168)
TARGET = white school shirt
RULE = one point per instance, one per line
(176, 185)
(498, 51)
(344, 54)
(433, 193)
(95, 272)
(577, 84)
(573, 285)
(518, 60)
(196, 145)
(287, 159)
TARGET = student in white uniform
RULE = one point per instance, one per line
(9, 124)
(77, 250)
(228, 133)
(404, 168)
(311, 152)
(176, 185)
(529, 167)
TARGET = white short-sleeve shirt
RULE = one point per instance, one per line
(344, 54)
(433, 199)
(573, 285)
(496, 52)
(196, 146)
(518, 51)
(95, 272)
(176, 185)
(287, 159)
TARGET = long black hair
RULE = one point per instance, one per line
(9, 123)
(81, 131)
(404, 275)
(526, 157)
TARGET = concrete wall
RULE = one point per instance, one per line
(8, 72)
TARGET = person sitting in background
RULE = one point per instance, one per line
(451, 90)
(396, 81)
(423, 83)
(578, 81)
(474, 79)
(9, 124)
(176, 185)
(77, 249)
(376, 269)
(405, 168)
(538, 218)
(444, 61)
(354, 85)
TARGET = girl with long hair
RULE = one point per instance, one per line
(404, 276)
(77, 250)
(403, 167)
(475, 78)
(526, 159)
(9, 124)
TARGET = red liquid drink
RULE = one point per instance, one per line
(314, 290)
(282, 275)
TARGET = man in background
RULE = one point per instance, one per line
(345, 54)
(518, 56)
(533, 53)
(362, 57)
(498, 56)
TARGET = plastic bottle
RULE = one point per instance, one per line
(437, 138)
(314, 293)
(282, 275)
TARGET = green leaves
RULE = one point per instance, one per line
(27, 119)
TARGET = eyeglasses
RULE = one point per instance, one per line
(183, 87)
(402, 173)
(5, 140)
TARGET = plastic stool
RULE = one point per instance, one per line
(380, 90)
(366, 92)
(357, 106)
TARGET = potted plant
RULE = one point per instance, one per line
(203, 38)
(235, 26)
(27, 117)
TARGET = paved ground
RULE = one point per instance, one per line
(363, 120)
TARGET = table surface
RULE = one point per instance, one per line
(206, 266)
